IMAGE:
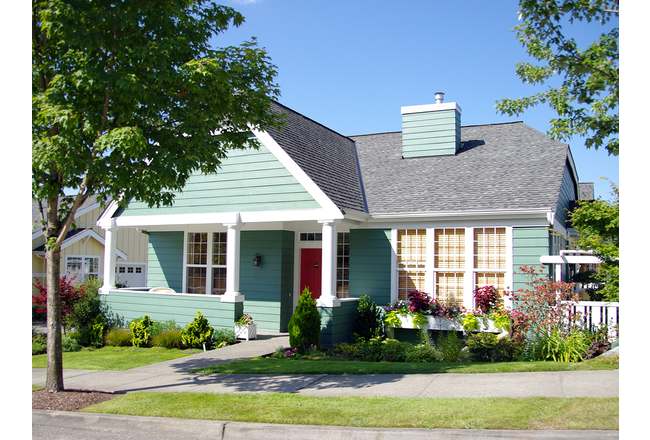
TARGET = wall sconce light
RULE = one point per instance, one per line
(257, 259)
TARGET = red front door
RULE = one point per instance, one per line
(310, 271)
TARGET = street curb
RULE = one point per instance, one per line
(207, 429)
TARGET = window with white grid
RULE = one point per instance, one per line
(490, 258)
(449, 264)
(411, 261)
(343, 265)
(82, 266)
(206, 257)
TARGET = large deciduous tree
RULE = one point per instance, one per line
(586, 102)
(128, 99)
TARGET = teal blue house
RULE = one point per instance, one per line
(436, 207)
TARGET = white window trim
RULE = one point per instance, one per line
(208, 266)
(82, 273)
(469, 272)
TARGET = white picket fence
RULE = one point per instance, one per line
(595, 313)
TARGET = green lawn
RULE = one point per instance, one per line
(325, 366)
(114, 358)
(125, 358)
(473, 413)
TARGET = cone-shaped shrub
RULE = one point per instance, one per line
(304, 325)
(198, 333)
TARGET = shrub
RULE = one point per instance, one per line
(487, 347)
(69, 344)
(140, 330)
(480, 346)
(223, 337)
(304, 325)
(198, 333)
(560, 346)
(537, 311)
(39, 344)
(168, 338)
(345, 350)
(449, 347)
(368, 323)
(70, 294)
(371, 350)
(119, 337)
(87, 315)
(158, 327)
(420, 353)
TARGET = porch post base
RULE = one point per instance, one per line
(232, 298)
(328, 302)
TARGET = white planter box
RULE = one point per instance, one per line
(436, 323)
(246, 331)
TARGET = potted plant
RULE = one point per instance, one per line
(245, 328)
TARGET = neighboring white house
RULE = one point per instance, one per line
(82, 251)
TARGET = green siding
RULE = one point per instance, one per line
(433, 133)
(268, 288)
(370, 264)
(568, 192)
(337, 323)
(165, 260)
(248, 180)
(129, 305)
(529, 244)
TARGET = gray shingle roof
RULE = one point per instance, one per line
(327, 157)
(500, 166)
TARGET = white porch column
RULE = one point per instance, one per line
(328, 275)
(233, 249)
(110, 255)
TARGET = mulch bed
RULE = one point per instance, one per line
(68, 400)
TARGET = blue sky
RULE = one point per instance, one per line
(351, 65)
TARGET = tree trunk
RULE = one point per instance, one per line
(54, 381)
(54, 378)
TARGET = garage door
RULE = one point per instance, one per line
(131, 274)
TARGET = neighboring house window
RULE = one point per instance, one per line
(203, 259)
(449, 265)
(343, 265)
(411, 261)
(82, 266)
(490, 258)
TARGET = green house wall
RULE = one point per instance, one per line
(433, 133)
(129, 305)
(568, 192)
(529, 244)
(248, 180)
(337, 323)
(165, 260)
(370, 264)
(268, 288)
